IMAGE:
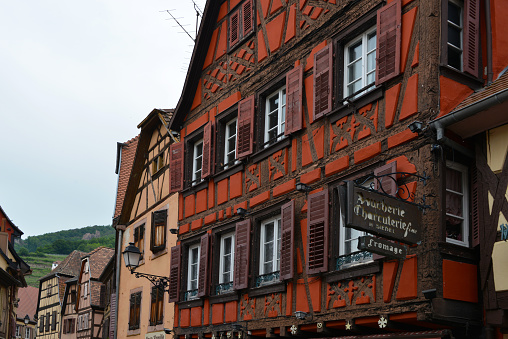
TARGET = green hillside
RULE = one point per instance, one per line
(40, 265)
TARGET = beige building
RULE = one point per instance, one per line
(146, 214)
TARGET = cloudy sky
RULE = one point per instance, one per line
(76, 77)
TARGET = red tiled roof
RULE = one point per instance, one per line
(70, 266)
(99, 258)
(27, 302)
(127, 159)
(499, 85)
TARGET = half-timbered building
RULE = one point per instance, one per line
(146, 215)
(310, 131)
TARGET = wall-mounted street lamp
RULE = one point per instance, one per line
(301, 187)
(242, 212)
(416, 127)
(131, 256)
(300, 315)
(26, 319)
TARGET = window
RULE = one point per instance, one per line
(53, 323)
(73, 297)
(41, 325)
(135, 310)
(158, 234)
(87, 266)
(27, 332)
(85, 289)
(275, 116)
(241, 22)
(360, 63)
(139, 239)
(18, 331)
(269, 251)
(226, 262)
(457, 204)
(197, 161)
(48, 321)
(455, 27)
(192, 272)
(156, 310)
(158, 163)
(230, 143)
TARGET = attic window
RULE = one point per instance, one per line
(157, 163)
(241, 22)
(86, 269)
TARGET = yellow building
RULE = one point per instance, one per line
(146, 214)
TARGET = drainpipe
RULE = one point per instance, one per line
(488, 24)
(117, 278)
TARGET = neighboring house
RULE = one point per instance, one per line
(107, 279)
(285, 93)
(51, 293)
(69, 312)
(27, 307)
(7, 226)
(145, 213)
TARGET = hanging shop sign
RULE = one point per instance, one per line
(382, 247)
(382, 215)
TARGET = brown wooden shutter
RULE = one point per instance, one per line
(207, 164)
(388, 42)
(48, 321)
(248, 18)
(322, 81)
(112, 316)
(176, 154)
(475, 207)
(242, 241)
(294, 88)
(41, 325)
(234, 29)
(65, 323)
(471, 37)
(203, 284)
(286, 246)
(174, 274)
(317, 232)
(388, 183)
(245, 139)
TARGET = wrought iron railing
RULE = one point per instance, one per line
(352, 259)
(224, 288)
(266, 279)
(189, 295)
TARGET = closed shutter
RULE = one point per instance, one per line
(174, 274)
(294, 81)
(73, 327)
(234, 29)
(387, 182)
(245, 137)
(471, 37)
(112, 316)
(203, 265)
(388, 42)
(322, 82)
(65, 323)
(286, 246)
(317, 232)
(176, 154)
(48, 321)
(248, 18)
(475, 207)
(41, 325)
(207, 164)
(242, 241)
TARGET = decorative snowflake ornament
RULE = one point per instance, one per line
(230, 334)
(294, 329)
(382, 322)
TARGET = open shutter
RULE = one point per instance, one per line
(245, 137)
(234, 29)
(207, 164)
(248, 18)
(322, 81)
(294, 81)
(112, 316)
(286, 246)
(174, 274)
(176, 154)
(203, 265)
(388, 42)
(317, 232)
(388, 182)
(475, 210)
(242, 241)
(471, 37)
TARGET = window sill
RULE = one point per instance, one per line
(193, 189)
(454, 251)
(343, 110)
(222, 298)
(459, 76)
(267, 289)
(228, 172)
(155, 328)
(134, 332)
(158, 254)
(266, 152)
(353, 272)
(191, 303)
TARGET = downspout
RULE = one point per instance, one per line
(117, 278)
(488, 24)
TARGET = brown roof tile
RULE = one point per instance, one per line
(499, 85)
(70, 266)
(127, 159)
(99, 258)
(27, 302)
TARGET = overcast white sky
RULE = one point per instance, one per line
(76, 77)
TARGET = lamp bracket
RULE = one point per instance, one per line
(156, 280)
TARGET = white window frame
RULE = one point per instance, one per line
(27, 332)
(364, 59)
(277, 221)
(190, 278)
(465, 203)
(460, 27)
(281, 115)
(18, 335)
(195, 158)
(227, 136)
(223, 255)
